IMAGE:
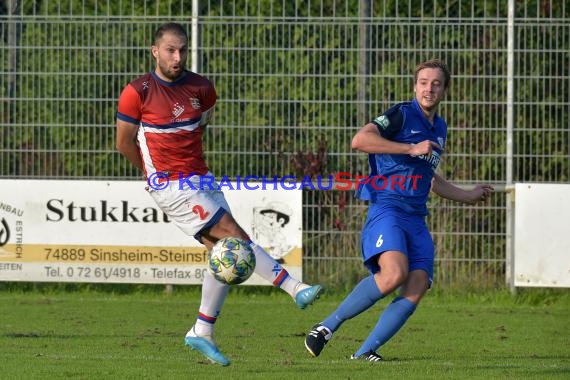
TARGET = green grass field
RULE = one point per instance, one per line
(98, 334)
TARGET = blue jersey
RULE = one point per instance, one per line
(401, 180)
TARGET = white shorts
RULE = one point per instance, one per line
(193, 211)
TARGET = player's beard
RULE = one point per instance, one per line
(170, 72)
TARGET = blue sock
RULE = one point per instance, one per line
(362, 297)
(391, 320)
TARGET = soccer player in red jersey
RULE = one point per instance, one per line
(160, 121)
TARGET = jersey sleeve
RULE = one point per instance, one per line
(208, 102)
(129, 108)
(390, 123)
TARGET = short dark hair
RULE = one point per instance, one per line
(170, 27)
(434, 64)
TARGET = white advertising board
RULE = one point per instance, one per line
(542, 235)
(112, 231)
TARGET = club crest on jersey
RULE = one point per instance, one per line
(177, 110)
(195, 103)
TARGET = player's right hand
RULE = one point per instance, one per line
(424, 148)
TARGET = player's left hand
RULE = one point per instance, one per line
(481, 193)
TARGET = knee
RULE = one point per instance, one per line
(415, 287)
(390, 279)
(413, 297)
(397, 276)
(227, 226)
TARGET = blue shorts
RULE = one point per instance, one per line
(391, 229)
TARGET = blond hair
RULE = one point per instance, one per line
(434, 64)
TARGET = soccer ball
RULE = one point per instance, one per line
(232, 261)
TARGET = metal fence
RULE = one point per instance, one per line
(295, 81)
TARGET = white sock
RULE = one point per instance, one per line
(268, 268)
(293, 286)
(213, 296)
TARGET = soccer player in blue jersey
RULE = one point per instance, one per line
(404, 147)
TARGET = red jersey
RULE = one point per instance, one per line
(171, 118)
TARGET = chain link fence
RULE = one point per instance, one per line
(295, 81)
